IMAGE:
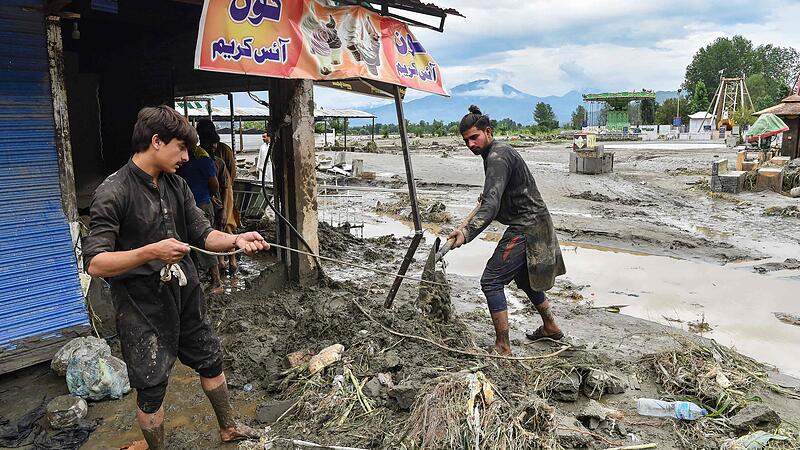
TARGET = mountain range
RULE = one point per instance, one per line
(498, 100)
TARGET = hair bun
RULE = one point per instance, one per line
(474, 110)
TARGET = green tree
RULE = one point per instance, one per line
(385, 131)
(731, 56)
(578, 116)
(743, 117)
(735, 56)
(544, 116)
(700, 99)
(669, 110)
(648, 110)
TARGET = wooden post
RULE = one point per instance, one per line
(66, 174)
(345, 133)
(292, 108)
(373, 129)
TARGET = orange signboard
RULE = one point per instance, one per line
(309, 40)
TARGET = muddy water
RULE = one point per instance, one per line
(737, 303)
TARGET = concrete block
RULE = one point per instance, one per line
(770, 179)
(730, 182)
(741, 156)
(719, 166)
(780, 160)
(749, 166)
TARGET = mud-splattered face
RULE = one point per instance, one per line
(170, 156)
(477, 140)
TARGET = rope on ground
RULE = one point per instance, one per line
(454, 350)
(325, 258)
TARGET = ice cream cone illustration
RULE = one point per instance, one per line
(363, 42)
(317, 37)
(334, 42)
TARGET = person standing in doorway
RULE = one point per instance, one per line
(528, 252)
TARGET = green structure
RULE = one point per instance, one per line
(617, 118)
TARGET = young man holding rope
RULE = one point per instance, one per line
(143, 222)
(529, 252)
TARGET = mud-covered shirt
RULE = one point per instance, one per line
(129, 211)
(510, 195)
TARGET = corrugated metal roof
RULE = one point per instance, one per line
(40, 293)
(198, 109)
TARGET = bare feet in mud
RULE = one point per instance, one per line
(216, 290)
(504, 350)
(238, 433)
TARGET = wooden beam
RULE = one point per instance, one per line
(66, 172)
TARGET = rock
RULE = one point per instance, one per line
(374, 388)
(404, 395)
(596, 415)
(566, 389)
(597, 383)
(269, 412)
(571, 433)
(755, 416)
(82, 347)
(392, 361)
(66, 411)
(97, 377)
(386, 379)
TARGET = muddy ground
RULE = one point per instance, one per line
(644, 242)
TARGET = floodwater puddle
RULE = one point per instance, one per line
(737, 304)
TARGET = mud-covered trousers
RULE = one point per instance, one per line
(158, 322)
(508, 262)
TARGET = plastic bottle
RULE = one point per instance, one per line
(679, 410)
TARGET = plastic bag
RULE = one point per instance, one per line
(82, 347)
(97, 377)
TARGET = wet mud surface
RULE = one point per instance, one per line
(642, 243)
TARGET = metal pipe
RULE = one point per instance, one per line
(412, 195)
(233, 130)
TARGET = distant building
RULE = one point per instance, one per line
(701, 121)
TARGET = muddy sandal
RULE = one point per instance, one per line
(539, 334)
(135, 445)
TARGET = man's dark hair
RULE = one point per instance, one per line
(207, 133)
(475, 118)
(165, 122)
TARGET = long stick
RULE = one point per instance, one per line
(455, 350)
(324, 258)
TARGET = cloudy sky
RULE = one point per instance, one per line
(549, 47)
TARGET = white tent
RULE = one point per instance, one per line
(700, 120)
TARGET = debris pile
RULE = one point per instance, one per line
(432, 211)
